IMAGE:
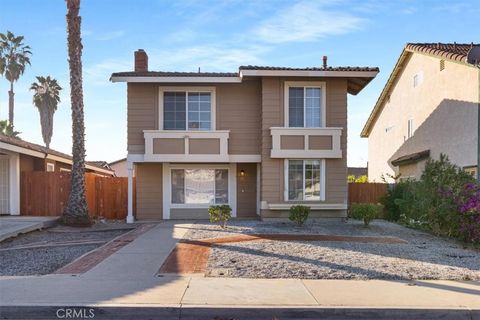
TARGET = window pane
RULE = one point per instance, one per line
(178, 186)
(312, 180)
(174, 108)
(199, 186)
(312, 107)
(199, 111)
(295, 180)
(295, 107)
(221, 186)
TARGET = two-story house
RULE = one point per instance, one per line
(428, 106)
(261, 140)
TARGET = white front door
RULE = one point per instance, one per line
(4, 185)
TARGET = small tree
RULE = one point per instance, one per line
(7, 129)
(15, 57)
(46, 98)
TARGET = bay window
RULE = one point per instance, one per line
(304, 180)
(199, 186)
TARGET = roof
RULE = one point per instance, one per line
(47, 151)
(449, 51)
(117, 161)
(358, 77)
(410, 158)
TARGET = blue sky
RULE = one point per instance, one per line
(216, 36)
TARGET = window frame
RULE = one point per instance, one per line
(51, 165)
(187, 90)
(410, 128)
(322, 181)
(305, 84)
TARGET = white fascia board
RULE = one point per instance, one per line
(178, 79)
(11, 147)
(306, 73)
(69, 161)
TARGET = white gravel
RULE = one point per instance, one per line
(423, 257)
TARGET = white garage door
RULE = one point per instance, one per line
(4, 194)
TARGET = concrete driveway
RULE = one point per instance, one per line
(11, 226)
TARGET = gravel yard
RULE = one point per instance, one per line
(423, 257)
(43, 252)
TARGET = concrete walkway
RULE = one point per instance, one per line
(11, 226)
(128, 279)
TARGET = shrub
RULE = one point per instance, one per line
(299, 214)
(469, 213)
(220, 213)
(365, 211)
(394, 192)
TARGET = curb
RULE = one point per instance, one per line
(235, 313)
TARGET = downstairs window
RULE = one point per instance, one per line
(199, 186)
(304, 180)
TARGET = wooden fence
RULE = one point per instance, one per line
(46, 194)
(366, 192)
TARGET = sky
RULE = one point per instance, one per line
(215, 35)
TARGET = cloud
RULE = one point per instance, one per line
(307, 21)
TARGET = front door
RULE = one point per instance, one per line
(4, 185)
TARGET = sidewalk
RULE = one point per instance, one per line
(11, 226)
(127, 279)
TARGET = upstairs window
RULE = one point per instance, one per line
(417, 79)
(305, 105)
(410, 129)
(187, 110)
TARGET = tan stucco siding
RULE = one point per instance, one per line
(444, 110)
(204, 146)
(142, 101)
(168, 146)
(149, 191)
(247, 190)
(320, 143)
(292, 142)
(239, 110)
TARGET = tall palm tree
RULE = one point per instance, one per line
(46, 98)
(7, 129)
(17, 56)
(76, 212)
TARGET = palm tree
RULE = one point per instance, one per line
(76, 212)
(16, 55)
(7, 129)
(46, 99)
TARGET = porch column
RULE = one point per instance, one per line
(130, 218)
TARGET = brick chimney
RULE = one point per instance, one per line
(141, 61)
(325, 62)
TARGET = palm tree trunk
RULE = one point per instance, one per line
(76, 212)
(11, 103)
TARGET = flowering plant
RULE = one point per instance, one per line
(469, 212)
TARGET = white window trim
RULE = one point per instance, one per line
(306, 84)
(410, 128)
(167, 186)
(50, 165)
(211, 90)
(322, 181)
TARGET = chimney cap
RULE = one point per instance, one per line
(325, 61)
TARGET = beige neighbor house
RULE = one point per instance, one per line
(429, 106)
(261, 140)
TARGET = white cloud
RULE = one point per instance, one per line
(307, 21)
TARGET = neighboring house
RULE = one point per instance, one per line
(428, 106)
(120, 167)
(261, 139)
(17, 156)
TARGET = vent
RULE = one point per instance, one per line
(442, 65)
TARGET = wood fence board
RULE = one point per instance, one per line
(366, 192)
(46, 193)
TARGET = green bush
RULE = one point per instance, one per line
(365, 211)
(220, 213)
(299, 214)
(431, 202)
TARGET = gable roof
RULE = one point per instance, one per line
(44, 152)
(358, 77)
(456, 52)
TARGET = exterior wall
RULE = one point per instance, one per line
(247, 190)
(272, 170)
(444, 110)
(149, 191)
(120, 168)
(238, 108)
